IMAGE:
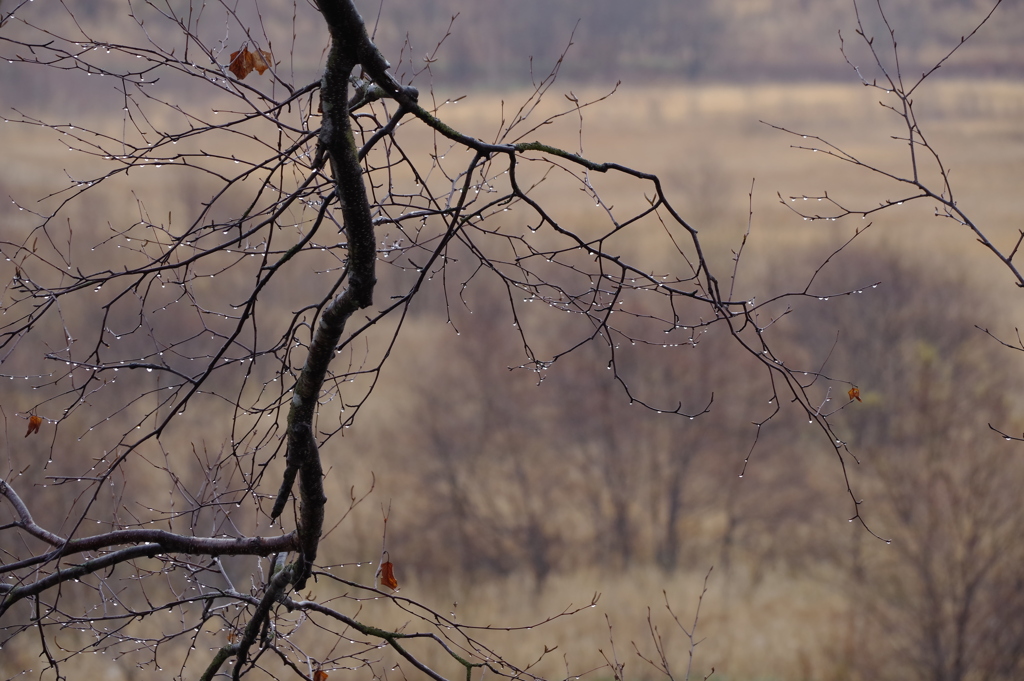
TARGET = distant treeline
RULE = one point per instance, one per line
(493, 41)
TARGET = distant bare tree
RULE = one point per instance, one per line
(942, 601)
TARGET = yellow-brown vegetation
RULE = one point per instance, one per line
(512, 499)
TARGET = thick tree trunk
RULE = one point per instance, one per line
(350, 46)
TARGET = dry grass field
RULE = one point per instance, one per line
(794, 619)
(779, 604)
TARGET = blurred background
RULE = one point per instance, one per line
(512, 499)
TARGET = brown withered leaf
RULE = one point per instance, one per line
(387, 575)
(319, 675)
(241, 63)
(244, 62)
(854, 394)
(33, 424)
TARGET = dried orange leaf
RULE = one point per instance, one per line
(319, 675)
(854, 394)
(387, 575)
(33, 424)
(261, 61)
(245, 62)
